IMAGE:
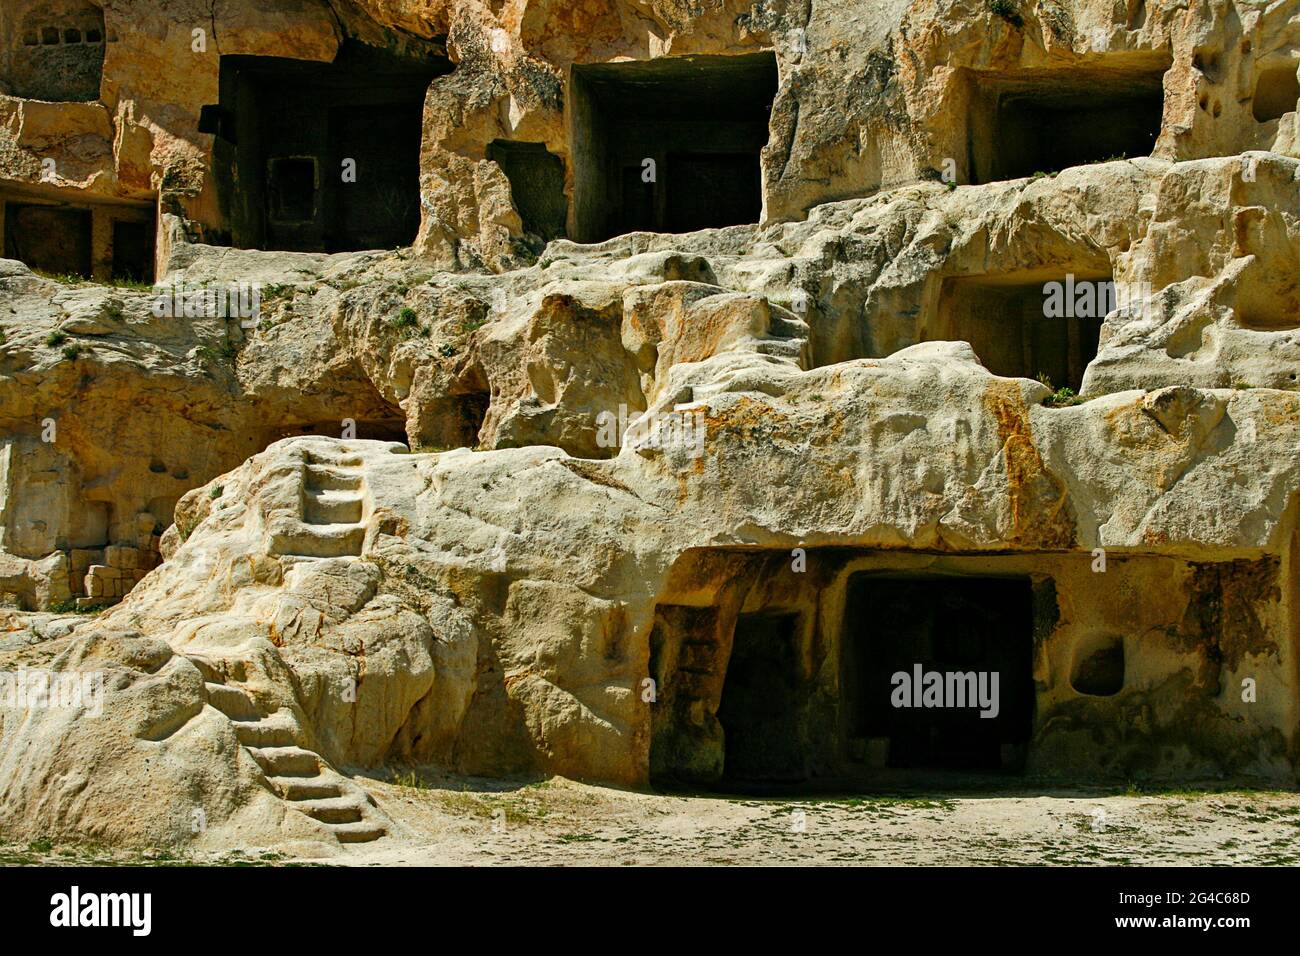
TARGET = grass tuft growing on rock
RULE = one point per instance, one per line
(408, 323)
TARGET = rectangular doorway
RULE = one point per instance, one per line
(49, 238)
(1045, 121)
(1006, 322)
(638, 129)
(133, 250)
(961, 628)
(760, 708)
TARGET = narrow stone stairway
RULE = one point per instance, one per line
(301, 777)
(332, 523)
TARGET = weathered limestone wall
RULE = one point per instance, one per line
(491, 594)
(867, 99)
(1207, 666)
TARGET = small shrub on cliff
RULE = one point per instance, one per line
(1006, 9)
(1064, 397)
(408, 323)
(55, 339)
(65, 278)
(70, 607)
(72, 352)
(226, 350)
(1061, 397)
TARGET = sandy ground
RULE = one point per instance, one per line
(449, 821)
(564, 823)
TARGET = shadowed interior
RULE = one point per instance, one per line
(1047, 121)
(321, 157)
(701, 121)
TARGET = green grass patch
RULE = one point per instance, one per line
(70, 607)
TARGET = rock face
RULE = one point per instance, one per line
(738, 365)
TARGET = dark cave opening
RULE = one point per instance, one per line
(759, 710)
(536, 186)
(899, 633)
(1276, 93)
(133, 250)
(1047, 121)
(51, 238)
(1017, 332)
(638, 130)
(321, 157)
(100, 241)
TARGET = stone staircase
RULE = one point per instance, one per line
(301, 777)
(332, 524)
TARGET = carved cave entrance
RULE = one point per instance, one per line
(760, 700)
(100, 241)
(1049, 120)
(770, 679)
(536, 186)
(954, 628)
(1005, 320)
(669, 145)
(1276, 92)
(321, 157)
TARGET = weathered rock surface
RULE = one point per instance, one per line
(501, 502)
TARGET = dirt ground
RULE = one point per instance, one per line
(449, 821)
(560, 822)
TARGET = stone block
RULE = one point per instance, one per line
(82, 558)
(124, 557)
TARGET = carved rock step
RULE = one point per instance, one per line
(277, 730)
(320, 478)
(332, 507)
(320, 787)
(363, 832)
(320, 540)
(287, 761)
(345, 809)
(232, 701)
